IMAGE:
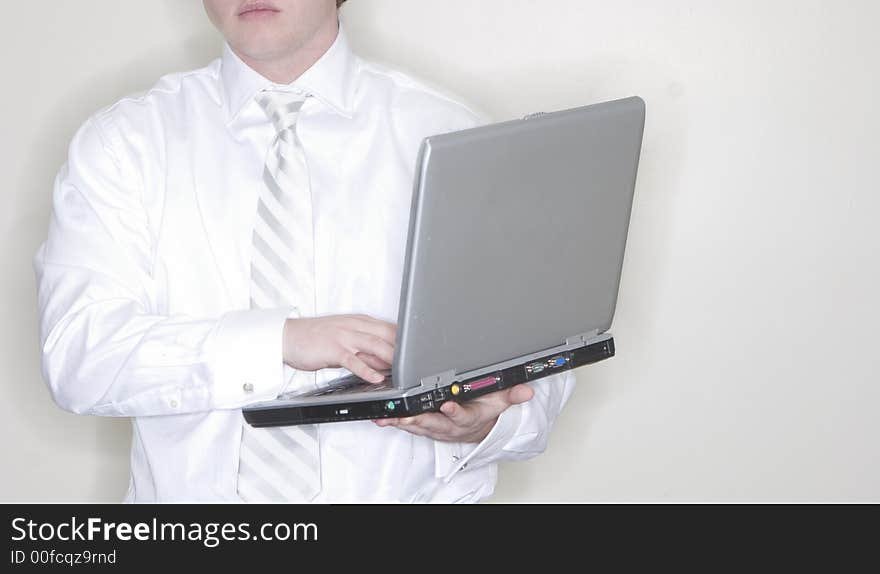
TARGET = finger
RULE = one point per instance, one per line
(520, 394)
(372, 345)
(460, 415)
(373, 361)
(389, 422)
(382, 329)
(433, 425)
(498, 401)
(361, 369)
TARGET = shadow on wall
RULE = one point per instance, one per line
(101, 442)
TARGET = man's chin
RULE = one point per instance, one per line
(260, 50)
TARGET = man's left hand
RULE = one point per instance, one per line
(470, 421)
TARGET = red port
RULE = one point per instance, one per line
(484, 382)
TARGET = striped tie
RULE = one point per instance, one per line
(282, 464)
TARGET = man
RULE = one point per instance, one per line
(238, 231)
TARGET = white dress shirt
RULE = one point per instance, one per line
(143, 280)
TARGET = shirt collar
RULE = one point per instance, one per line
(330, 79)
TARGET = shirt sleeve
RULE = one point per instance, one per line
(521, 432)
(105, 348)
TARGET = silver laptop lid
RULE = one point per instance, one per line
(516, 237)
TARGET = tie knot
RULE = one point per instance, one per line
(282, 108)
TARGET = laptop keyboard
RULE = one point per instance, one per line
(349, 384)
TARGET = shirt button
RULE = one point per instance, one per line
(173, 404)
(248, 387)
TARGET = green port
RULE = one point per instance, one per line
(390, 405)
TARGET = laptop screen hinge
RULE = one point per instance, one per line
(446, 378)
(443, 379)
(582, 338)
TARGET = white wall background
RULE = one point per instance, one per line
(748, 316)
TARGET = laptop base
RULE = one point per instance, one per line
(431, 400)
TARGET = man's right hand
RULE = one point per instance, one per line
(359, 343)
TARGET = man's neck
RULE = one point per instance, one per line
(288, 67)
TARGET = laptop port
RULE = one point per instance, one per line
(535, 367)
(484, 382)
(557, 362)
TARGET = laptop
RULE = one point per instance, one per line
(514, 253)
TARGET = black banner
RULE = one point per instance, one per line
(285, 537)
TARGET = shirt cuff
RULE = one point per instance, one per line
(452, 457)
(248, 363)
